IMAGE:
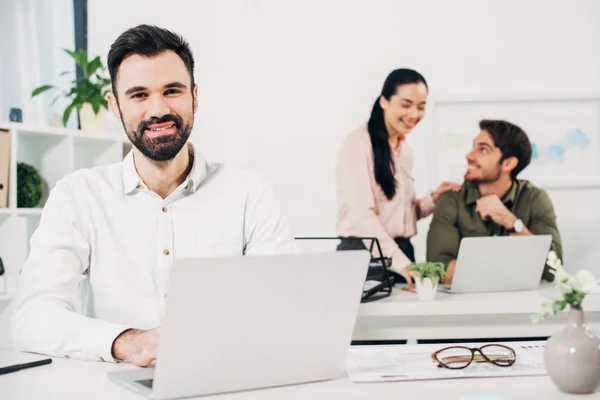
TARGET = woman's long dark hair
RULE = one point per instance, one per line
(382, 154)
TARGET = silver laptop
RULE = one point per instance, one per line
(499, 263)
(242, 323)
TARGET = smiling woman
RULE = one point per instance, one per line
(375, 187)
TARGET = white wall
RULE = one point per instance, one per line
(283, 82)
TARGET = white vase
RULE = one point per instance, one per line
(90, 121)
(426, 291)
(572, 356)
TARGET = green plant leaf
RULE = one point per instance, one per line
(432, 270)
(95, 105)
(65, 73)
(558, 306)
(67, 114)
(41, 89)
(54, 101)
(90, 88)
(93, 66)
(71, 53)
(81, 59)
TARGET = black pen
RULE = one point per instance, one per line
(18, 367)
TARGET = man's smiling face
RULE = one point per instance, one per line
(156, 103)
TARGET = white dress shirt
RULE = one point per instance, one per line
(101, 256)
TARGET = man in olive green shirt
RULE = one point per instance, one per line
(492, 201)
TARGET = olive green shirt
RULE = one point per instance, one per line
(455, 218)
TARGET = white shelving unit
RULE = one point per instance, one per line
(54, 152)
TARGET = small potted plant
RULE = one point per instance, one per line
(430, 275)
(87, 93)
(572, 355)
(30, 186)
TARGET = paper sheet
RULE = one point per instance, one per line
(397, 363)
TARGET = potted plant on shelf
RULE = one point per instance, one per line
(572, 355)
(430, 275)
(30, 186)
(87, 93)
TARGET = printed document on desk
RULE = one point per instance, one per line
(414, 362)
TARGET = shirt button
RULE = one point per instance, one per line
(166, 252)
(187, 187)
(164, 209)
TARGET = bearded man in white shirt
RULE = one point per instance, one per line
(94, 285)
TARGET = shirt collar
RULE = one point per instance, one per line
(473, 193)
(199, 169)
(132, 181)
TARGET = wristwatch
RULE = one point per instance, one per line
(517, 227)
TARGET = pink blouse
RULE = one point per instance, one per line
(363, 208)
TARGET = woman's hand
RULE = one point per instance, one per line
(409, 276)
(444, 187)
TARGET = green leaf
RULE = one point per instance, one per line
(81, 59)
(54, 101)
(71, 53)
(67, 114)
(95, 105)
(558, 306)
(93, 66)
(433, 270)
(65, 73)
(41, 89)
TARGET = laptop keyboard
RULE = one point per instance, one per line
(146, 382)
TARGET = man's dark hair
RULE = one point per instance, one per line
(512, 142)
(147, 41)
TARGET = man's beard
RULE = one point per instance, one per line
(161, 148)
(489, 178)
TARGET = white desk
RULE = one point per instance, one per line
(72, 379)
(482, 315)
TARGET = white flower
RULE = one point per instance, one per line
(561, 275)
(553, 261)
(568, 287)
(584, 281)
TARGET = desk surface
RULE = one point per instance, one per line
(477, 315)
(66, 379)
(405, 303)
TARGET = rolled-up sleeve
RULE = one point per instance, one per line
(443, 237)
(543, 222)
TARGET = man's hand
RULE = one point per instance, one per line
(444, 187)
(136, 346)
(450, 272)
(492, 207)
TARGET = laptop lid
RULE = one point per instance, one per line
(259, 321)
(500, 263)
